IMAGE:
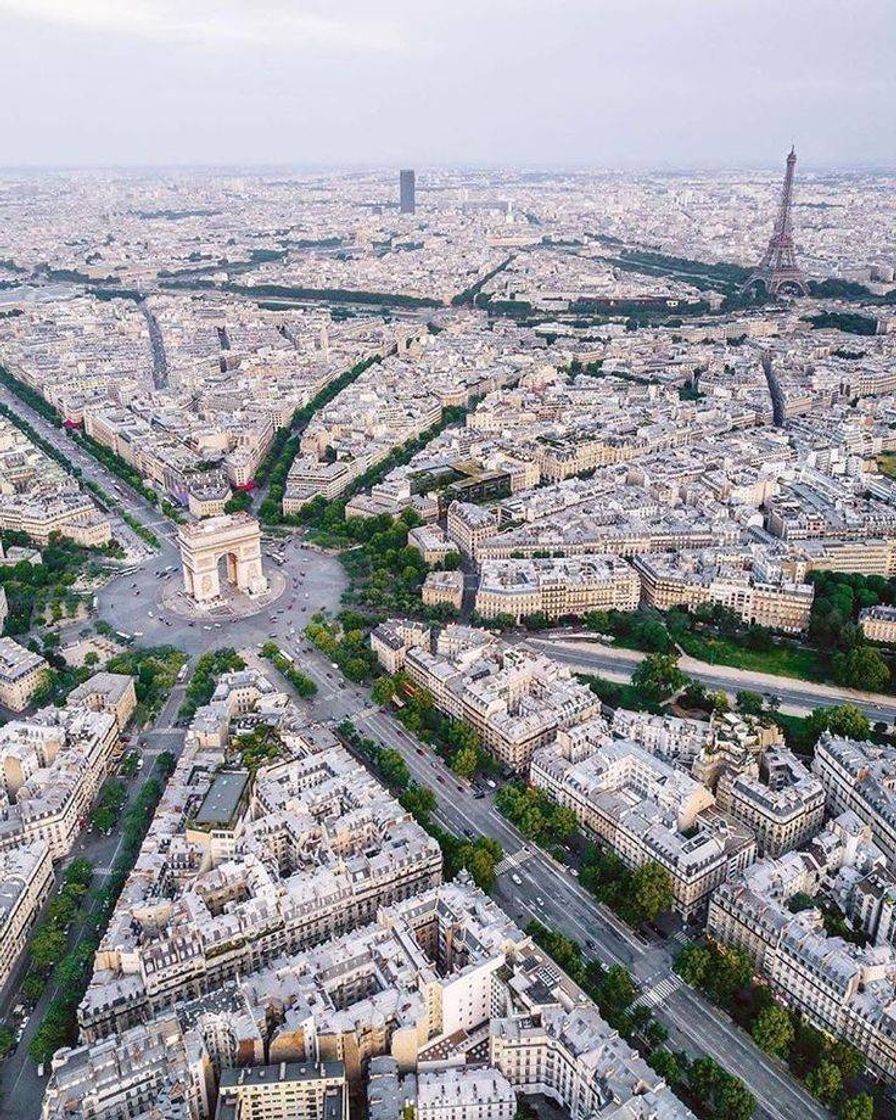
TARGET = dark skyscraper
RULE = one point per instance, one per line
(408, 182)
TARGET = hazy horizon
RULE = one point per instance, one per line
(578, 85)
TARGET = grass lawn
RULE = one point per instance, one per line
(782, 661)
(886, 463)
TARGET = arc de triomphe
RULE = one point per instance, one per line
(202, 544)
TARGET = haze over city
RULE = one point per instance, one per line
(604, 83)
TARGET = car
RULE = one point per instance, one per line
(479, 794)
(589, 942)
(517, 879)
(539, 900)
(440, 779)
(574, 873)
(469, 832)
(460, 789)
(40, 1070)
(420, 750)
(491, 784)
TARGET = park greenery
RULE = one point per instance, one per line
(209, 667)
(35, 592)
(259, 747)
(831, 1068)
(836, 650)
(344, 641)
(711, 1092)
(303, 684)
(155, 670)
(848, 321)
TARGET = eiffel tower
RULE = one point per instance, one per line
(778, 272)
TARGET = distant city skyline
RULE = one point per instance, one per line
(580, 84)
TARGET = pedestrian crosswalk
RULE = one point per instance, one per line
(516, 859)
(660, 992)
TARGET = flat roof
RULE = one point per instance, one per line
(223, 798)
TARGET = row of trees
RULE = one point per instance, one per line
(456, 740)
(480, 855)
(536, 814)
(830, 1067)
(72, 971)
(711, 1092)
(275, 466)
(636, 896)
(303, 684)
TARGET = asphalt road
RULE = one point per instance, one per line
(797, 697)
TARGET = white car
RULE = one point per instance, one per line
(517, 879)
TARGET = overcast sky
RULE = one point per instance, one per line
(603, 83)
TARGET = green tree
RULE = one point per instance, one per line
(47, 947)
(860, 1107)
(419, 801)
(845, 1057)
(668, 1066)
(616, 993)
(465, 762)
(861, 667)
(749, 703)
(773, 1030)
(651, 891)
(383, 690)
(693, 964)
(733, 1100)
(841, 719)
(7, 1039)
(658, 677)
(825, 1082)
(393, 768)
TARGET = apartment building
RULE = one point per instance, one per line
(21, 672)
(644, 809)
(106, 692)
(469, 525)
(736, 579)
(51, 768)
(860, 777)
(844, 989)
(776, 798)
(441, 1003)
(432, 543)
(516, 699)
(287, 1091)
(26, 879)
(556, 588)
(391, 640)
(878, 624)
(443, 588)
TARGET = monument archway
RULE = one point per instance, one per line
(235, 538)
